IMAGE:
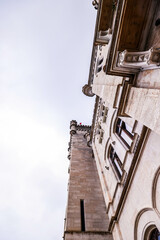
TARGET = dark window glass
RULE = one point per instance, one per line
(155, 235)
(116, 162)
(100, 61)
(99, 65)
(82, 215)
(124, 132)
(99, 69)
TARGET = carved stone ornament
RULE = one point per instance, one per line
(104, 36)
(95, 3)
(87, 136)
(73, 125)
(140, 60)
(87, 90)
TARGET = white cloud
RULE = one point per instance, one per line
(45, 49)
(34, 174)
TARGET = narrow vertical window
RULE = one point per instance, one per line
(124, 132)
(82, 215)
(117, 164)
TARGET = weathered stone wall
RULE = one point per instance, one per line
(88, 236)
(148, 79)
(105, 86)
(84, 184)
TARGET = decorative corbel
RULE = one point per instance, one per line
(87, 90)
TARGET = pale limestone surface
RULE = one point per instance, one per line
(106, 92)
(144, 105)
(139, 108)
(148, 79)
(111, 187)
(105, 86)
(142, 194)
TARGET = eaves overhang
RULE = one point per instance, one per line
(129, 34)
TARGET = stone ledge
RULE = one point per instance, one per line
(88, 232)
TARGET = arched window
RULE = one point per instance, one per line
(116, 162)
(154, 235)
(124, 132)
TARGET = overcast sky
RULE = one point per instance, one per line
(45, 51)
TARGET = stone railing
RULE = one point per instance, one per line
(140, 60)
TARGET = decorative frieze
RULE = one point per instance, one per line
(140, 60)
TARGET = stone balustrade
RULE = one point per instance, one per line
(140, 60)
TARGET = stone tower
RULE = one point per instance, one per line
(86, 217)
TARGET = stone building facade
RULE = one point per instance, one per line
(114, 186)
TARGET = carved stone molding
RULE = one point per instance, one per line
(95, 3)
(87, 90)
(73, 125)
(140, 60)
(139, 227)
(87, 136)
(104, 37)
(155, 192)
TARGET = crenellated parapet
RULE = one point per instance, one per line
(77, 129)
(74, 127)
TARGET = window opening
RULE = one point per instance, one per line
(82, 215)
(154, 235)
(99, 65)
(99, 69)
(124, 132)
(101, 136)
(116, 162)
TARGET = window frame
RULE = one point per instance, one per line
(122, 128)
(115, 162)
